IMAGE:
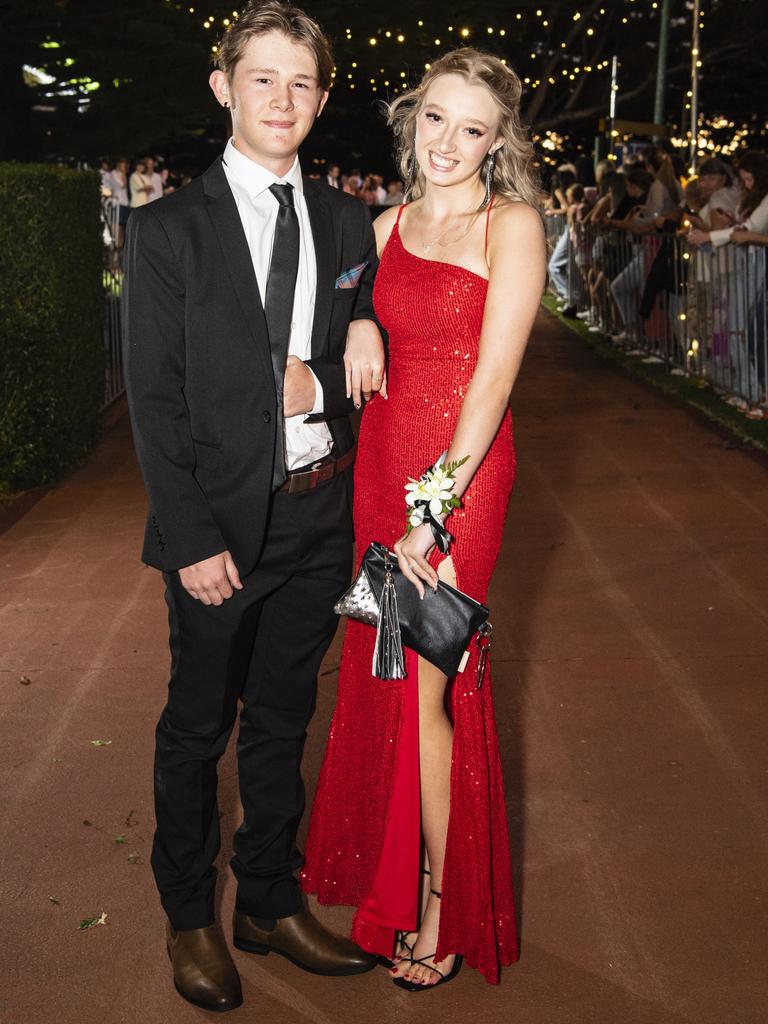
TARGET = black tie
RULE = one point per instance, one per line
(278, 308)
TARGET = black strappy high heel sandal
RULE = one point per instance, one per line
(400, 944)
(413, 986)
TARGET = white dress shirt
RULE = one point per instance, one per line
(156, 181)
(304, 442)
(138, 183)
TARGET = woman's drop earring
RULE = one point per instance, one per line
(413, 169)
(489, 177)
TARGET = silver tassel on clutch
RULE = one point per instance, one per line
(388, 657)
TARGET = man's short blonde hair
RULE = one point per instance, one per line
(262, 16)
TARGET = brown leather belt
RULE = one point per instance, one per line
(306, 479)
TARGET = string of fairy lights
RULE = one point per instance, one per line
(433, 36)
(374, 61)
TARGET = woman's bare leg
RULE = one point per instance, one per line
(435, 749)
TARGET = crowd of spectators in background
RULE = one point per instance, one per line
(369, 188)
(136, 183)
(141, 181)
(628, 234)
(650, 193)
(613, 228)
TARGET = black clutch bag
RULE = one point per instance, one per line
(440, 628)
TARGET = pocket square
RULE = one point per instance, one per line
(351, 278)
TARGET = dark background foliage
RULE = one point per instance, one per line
(51, 311)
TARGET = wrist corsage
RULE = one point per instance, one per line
(430, 499)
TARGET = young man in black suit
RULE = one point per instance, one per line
(242, 290)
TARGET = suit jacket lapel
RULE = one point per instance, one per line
(222, 210)
(324, 237)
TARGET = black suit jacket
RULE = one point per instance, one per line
(201, 390)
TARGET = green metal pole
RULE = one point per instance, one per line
(612, 107)
(661, 66)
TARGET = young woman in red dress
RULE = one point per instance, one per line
(409, 823)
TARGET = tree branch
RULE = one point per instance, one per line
(540, 95)
(602, 108)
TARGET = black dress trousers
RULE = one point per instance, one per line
(262, 647)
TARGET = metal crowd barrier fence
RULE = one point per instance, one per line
(554, 226)
(112, 278)
(701, 311)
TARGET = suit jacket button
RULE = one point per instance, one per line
(267, 417)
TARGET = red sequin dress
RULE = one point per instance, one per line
(364, 840)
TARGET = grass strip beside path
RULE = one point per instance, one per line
(693, 391)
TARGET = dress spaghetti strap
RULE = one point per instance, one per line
(400, 211)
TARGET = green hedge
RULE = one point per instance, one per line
(51, 322)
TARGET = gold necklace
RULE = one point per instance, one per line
(442, 241)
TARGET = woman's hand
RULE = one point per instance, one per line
(412, 552)
(741, 236)
(721, 219)
(364, 362)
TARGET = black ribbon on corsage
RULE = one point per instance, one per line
(443, 538)
(422, 506)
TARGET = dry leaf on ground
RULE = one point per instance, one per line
(91, 922)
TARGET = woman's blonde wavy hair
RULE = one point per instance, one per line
(515, 176)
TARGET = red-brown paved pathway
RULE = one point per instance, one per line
(630, 668)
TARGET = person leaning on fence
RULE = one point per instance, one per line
(721, 196)
(666, 192)
(759, 319)
(665, 211)
(578, 208)
(627, 285)
(611, 193)
(744, 274)
(558, 261)
(556, 201)
(752, 212)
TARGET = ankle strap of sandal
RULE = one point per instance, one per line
(436, 893)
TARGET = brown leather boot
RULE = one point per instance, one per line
(203, 970)
(302, 940)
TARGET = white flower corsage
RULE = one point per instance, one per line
(430, 499)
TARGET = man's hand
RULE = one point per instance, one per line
(697, 237)
(364, 362)
(298, 388)
(212, 580)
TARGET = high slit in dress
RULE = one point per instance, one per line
(364, 843)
